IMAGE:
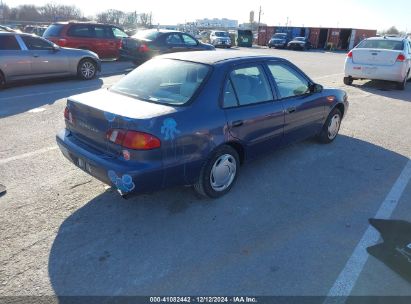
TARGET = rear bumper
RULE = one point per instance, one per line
(138, 57)
(126, 176)
(394, 72)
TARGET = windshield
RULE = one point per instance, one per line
(147, 34)
(163, 81)
(221, 34)
(299, 39)
(382, 44)
(53, 30)
(281, 36)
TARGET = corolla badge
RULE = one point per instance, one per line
(86, 126)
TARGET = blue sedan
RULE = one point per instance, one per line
(193, 118)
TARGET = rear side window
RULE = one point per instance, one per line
(80, 31)
(54, 30)
(8, 43)
(383, 44)
(164, 81)
(248, 86)
(119, 33)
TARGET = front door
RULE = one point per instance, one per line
(304, 110)
(254, 117)
(45, 59)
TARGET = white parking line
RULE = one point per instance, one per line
(355, 264)
(26, 155)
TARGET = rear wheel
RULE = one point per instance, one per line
(331, 127)
(348, 80)
(219, 173)
(87, 69)
(401, 85)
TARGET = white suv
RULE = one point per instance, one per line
(380, 58)
(220, 38)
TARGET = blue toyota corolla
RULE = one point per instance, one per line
(194, 118)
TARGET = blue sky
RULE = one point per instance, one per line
(370, 14)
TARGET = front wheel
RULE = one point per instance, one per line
(219, 173)
(87, 69)
(331, 127)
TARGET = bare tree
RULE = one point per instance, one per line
(146, 20)
(57, 12)
(112, 16)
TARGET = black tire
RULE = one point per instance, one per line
(204, 185)
(401, 85)
(348, 81)
(2, 81)
(87, 69)
(325, 137)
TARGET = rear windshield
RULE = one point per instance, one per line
(53, 30)
(164, 81)
(382, 44)
(147, 34)
(221, 34)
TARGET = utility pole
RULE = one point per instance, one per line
(258, 26)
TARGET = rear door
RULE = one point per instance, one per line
(15, 58)
(45, 59)
(253, 115)
(304, 111)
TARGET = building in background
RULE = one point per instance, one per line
(216, 23)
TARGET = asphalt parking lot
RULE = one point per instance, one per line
(296, 223)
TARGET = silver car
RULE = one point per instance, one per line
(220, 38)
(380, 58)
(26, 56)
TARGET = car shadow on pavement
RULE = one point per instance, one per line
(17, 100)
(301, 202)
(386, 89)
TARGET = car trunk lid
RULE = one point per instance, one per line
(376, 57)
(93, 114)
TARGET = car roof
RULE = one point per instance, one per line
(387, 38)
(214, 57)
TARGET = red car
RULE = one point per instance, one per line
(102, 39)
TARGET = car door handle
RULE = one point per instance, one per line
(35, 56)
(291, 109)
(237, 123)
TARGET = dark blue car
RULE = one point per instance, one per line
(193, 118)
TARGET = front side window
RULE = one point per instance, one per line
(189, 40)
(119, 33)
(164, 81)
(289, 82)
(250, 86)
(36, 44)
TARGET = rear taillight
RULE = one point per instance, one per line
(349, 55)
(143, 48)
(401, 58)
(67, 115)
(133, 139)
(62, 42)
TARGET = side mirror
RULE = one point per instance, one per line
(316, 88)
(55, 48)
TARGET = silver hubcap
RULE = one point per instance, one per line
(334, 126)
(88, 70)
(223, 172)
